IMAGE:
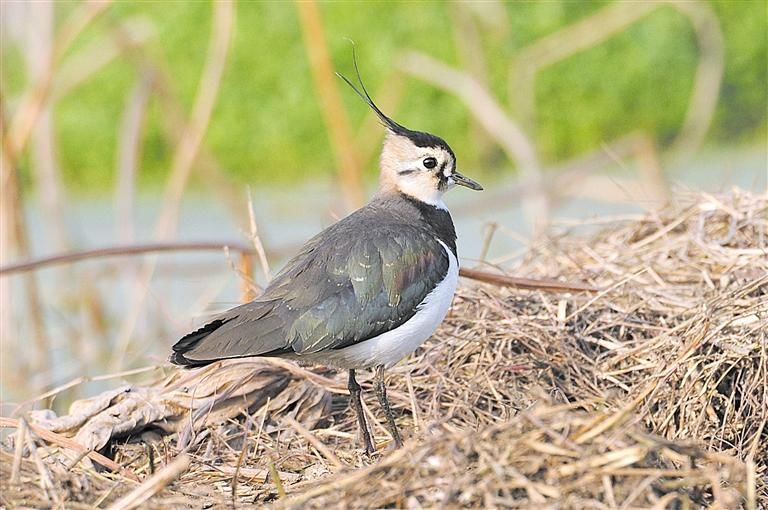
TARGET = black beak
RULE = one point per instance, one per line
(466, 181)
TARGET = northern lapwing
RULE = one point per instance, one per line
(366, 291)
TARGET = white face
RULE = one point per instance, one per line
(428, 176)
(424, 173)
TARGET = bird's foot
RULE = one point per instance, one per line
(370, 448)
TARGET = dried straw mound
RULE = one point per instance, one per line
(652, 392)
(545, 457)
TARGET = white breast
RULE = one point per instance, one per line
(392, 346)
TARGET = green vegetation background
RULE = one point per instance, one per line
(267, 125)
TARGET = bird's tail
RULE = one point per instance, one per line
(190, 341)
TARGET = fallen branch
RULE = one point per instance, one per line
(121, 251)
(525, 283)
(140, 249)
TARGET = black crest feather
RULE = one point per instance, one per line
(419, 138)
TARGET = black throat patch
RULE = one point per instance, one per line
(438, 220)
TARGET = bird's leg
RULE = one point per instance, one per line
(381, 392)
(357, 403)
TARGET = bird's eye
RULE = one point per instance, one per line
(430, 163)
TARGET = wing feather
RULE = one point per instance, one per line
(357, 279)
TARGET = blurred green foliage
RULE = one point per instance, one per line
(267, 124)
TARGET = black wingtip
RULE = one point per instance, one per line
(178, 358)
(189, 342)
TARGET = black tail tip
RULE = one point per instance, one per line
(178, 358)
(189, 342)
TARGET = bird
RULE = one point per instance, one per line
(366, 291)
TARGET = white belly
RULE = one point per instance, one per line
(392, 346)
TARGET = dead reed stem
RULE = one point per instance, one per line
(122, 251)
(184, 157)
(497, 123)
(15, 136)
(129, 152)
(31, 105)
(334, 114)
(139, 249)
(256, 240)
(483, 106)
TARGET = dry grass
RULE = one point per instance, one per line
(649, 394)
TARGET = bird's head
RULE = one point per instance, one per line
(418, 164)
